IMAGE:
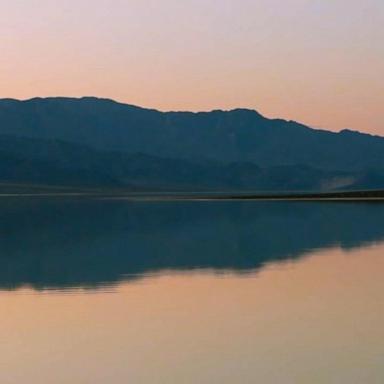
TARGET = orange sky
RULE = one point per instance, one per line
(315, 61)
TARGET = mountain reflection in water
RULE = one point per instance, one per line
(90, 243)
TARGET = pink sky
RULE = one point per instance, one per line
(315, 61)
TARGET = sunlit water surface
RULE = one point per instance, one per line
(213, 292)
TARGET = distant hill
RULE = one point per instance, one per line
(92, 141)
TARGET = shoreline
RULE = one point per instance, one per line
(358, 196)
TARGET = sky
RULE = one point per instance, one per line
(320, 62)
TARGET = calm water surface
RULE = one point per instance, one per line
(191, 292)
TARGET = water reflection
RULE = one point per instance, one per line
(84, 243)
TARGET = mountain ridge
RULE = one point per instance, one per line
(181, 111)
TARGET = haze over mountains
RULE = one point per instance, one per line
(99, 142)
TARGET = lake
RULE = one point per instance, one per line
(104, 291)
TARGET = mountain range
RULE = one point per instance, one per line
(100, 142)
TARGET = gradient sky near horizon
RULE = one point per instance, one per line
(319, 62)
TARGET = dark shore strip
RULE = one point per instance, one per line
(371, 195)
(346, 195)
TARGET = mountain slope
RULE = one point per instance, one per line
(222, 136)
(55, 162)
